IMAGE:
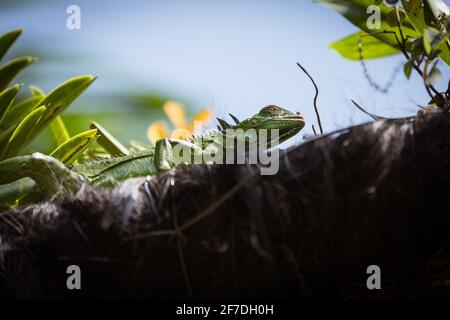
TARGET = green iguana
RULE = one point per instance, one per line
(51, 175)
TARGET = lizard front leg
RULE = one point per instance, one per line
(172, 152)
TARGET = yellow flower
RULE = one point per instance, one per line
(175, 111)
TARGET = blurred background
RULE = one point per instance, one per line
(231, 56)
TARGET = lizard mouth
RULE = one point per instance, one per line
(284, 134)
(288, 131)
(297, 117)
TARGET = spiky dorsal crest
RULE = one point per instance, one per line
(223, 124)
(236, 120)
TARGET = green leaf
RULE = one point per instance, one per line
(11, 69)
(59, 131)
(428, 34)
(445, 51)
(356, 12)
(58, 100)
(434, 75)
(36, 91)
(7, 40)
(6, 99)
(107, 141)
(436, 41)
(408, 68)
(392, 17)
(415, 13)
(20, 135)
(16, 113)
(417, 51)
(12, 118)
(371, 47)
(70, 150)
(433, 39)
(13, 191)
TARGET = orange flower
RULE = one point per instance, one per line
(175, 111)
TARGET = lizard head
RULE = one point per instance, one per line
(273, 117)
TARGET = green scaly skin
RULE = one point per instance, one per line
(108, 172)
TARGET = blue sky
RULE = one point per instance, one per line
(234, 56)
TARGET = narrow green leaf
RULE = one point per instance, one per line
(6, 99)
(70, 150)
(59, 131)
(7, 40)
(58, 100)
(12, 117)
(36, 91)
(371, 47)
(20, 135)
(13, 191)
(11, 69)
(107, 141)
(17, 112)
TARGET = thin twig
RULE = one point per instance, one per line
(425, 81)
(315, 97)
(399, 24)
(373, 116)
(314, 130)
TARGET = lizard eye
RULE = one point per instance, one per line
(271, 109)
